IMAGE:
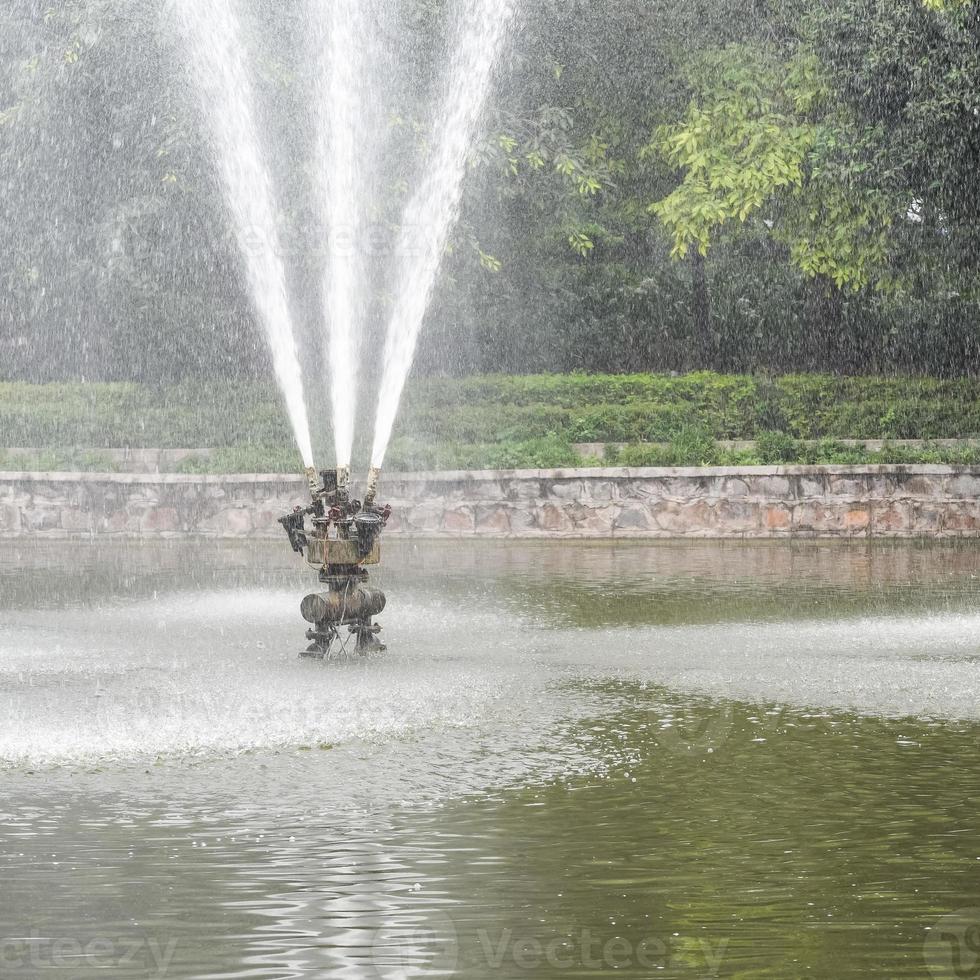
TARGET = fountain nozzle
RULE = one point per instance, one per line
(374, 477)
(314, 480)
(343, 478)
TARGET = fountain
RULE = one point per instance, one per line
(616, 756)
(344, 538)
(343, 543)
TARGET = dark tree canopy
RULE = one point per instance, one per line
(752, 185)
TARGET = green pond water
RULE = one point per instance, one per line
(575, 760)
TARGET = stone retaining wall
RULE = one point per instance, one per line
(716, 502)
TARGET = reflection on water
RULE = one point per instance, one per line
(530, 784)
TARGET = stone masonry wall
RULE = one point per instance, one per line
(718, 502)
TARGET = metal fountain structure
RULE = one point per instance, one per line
(343, 543)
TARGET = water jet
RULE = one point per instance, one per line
(215, 53)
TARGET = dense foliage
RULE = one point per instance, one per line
(501, 421)
(744, 185)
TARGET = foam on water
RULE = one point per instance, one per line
(205, 675)
(218, 673)
(433, 208)
(217, 61)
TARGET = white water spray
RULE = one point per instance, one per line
(216, 56)
(340, 31)
(432, 211)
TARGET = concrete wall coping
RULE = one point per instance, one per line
(470, 476)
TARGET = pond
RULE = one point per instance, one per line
(651, 759)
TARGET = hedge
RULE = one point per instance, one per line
(502, 420)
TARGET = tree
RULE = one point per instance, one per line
(762, 141)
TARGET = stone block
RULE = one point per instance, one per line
(76, 519)
(483, 490)
(808, 486)
(684, 518)
(528, 491)
(568, 489)
(603, 491)
(425, 517)
(233, 522)
(736, 516)
(599, 520)
(553, 518)
(854, 488)
(927, 518)
(892, 518)
(778, 518)
(734, 488)
(161, 519)
(119, 521)
(493, 520)
(857, 519)
(684, 488)
(769, 486)
(964, 487)
(918, 485)
(459, 520)
(633, 519)
(815, 516)
(963, 516)
(41, 518)
(9, 517)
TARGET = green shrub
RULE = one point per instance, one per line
(690, 447)
(407, 455)
(511, 420)
(776, 447)
(244, 459)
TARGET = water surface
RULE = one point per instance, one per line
(743, 760)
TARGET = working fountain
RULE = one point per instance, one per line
(344, 539)
(709, 758)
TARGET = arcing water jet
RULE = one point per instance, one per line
(432, 211)
(215, 53)
(340, 31)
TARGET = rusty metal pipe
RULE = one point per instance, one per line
(343, 607)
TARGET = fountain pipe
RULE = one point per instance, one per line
(343, 478)
(314, 480)
(374, 477)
